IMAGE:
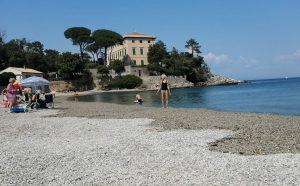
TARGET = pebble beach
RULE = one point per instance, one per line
(80, 143)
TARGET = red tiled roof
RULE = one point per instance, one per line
(134, 33)
(28, 70)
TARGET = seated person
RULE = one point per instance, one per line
(34, 99)
(3, 92)
(139, 98)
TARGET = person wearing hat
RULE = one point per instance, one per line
(11, 93)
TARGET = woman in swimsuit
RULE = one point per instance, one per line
(165, 89)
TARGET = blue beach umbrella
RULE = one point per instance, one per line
(34, 81)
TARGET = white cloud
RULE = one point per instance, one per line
(247, 62)
(288, 58)
(241, 59)
(212, 57)
(297, 53)
(253, 61)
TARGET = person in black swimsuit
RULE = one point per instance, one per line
(165, 89)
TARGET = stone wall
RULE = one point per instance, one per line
(60, 86)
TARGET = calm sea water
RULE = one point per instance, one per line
(277, 96)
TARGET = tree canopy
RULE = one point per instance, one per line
(21, 52)
(118, 66)
(105, 38)
(80, 36)
(102, 69)
(69, 64)
(193, 45)
(177, 63)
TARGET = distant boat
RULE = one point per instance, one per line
(286, 77)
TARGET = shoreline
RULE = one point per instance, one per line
(255, 133)
(91, 92)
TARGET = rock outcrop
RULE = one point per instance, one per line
(216, 80)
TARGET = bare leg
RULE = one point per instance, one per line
(162, 99)
(167, 101)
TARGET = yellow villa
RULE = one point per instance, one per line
(134, 49)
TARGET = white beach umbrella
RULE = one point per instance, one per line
(34, 81)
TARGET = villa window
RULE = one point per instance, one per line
(142, 62)
(132, 41)
(148, 41)
(141, 41)
(134, 62)
(133, 51)
(141, 51)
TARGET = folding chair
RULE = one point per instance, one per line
(49, 100)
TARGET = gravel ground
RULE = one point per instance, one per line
(45, 150)
(256, 134)
(108, 144)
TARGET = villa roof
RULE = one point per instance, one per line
(27, 70)
(136, 34)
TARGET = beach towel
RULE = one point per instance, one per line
(18, 110)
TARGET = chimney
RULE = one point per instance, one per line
(24, 67)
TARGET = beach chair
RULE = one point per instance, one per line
(5, 103)
(49, 101)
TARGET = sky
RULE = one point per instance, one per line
(257, 39)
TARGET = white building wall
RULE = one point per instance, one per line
(16, 72)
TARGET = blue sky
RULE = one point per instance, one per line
(239, 39)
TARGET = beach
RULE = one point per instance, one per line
(256, 133)
(79, 143)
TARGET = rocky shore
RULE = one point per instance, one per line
(217, 80)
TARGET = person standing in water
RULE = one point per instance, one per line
(75, 94)
(165, 89)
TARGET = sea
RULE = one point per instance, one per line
(273, 96)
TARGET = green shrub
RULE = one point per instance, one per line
(4, 78)
(131, 81)
(91, 65)
(128, 81)
(85, 80)
(115, 82)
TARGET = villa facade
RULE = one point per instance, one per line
(134, 49)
